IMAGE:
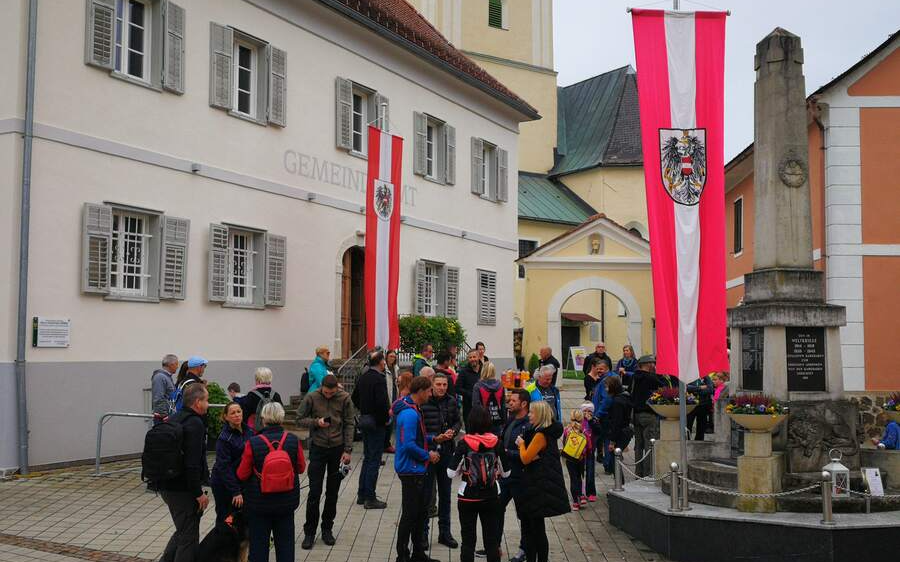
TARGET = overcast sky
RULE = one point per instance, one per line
(593, 36)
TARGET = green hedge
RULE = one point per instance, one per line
(442, 333)
(214, 422)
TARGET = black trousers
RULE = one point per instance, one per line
(537, 548)
(323, 461)
(185, 512)
(576, 473)
(279, 526)
(412, 517)
(507, 487)
(469, 513)
(701, 415)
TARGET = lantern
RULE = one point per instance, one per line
(840, 475)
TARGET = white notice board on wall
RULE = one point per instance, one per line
(872, 477)
(50, 332)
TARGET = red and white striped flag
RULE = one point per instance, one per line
(383, 190)
(681, 87)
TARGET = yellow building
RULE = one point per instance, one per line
(584, 269)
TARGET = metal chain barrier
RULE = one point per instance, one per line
(642, 478)
(637, 462)
(868, 495)
(744, 495)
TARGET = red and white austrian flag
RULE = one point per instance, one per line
(382, 270)
(681, 87)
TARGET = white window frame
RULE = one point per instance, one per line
(735, 220)
(121, 38)
(431, 144)
(488, 170)
(121, 238)
(254, 76)
(248, 253)
(432, 298)
(363, 115)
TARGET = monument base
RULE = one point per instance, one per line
(667, 448)
(759, 475)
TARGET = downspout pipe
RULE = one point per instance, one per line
(24, 229)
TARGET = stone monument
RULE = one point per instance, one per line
(785, 338)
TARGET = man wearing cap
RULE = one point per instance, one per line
(196, 366)
(646, 424)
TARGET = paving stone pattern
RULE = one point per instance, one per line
(71, 516)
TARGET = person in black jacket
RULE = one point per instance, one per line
(475, 500)
(468, 376)
(517, 404)
(644, 383)
(229, 447)
(261, 391)
(619, 431)
(546, 358)
(370, 397)
(184, 494)
(271, 514)
(441, 417)
(704, 389)
(599, 353)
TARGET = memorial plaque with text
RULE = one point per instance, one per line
(805, 358)
(752, 359)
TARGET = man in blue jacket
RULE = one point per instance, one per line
(543, 389)
(411, 464)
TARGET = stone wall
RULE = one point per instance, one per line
(872, 421)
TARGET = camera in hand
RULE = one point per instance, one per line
(343, 470)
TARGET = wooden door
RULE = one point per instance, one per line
(345, 304)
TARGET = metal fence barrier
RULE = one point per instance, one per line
(108, 416)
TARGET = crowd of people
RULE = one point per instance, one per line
(441, 421)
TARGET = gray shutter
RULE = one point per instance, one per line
(502, 175)
(173, 268)
(420, 125)
(477, 157)
(221, 51)
(343, 101)
(96, 246)
(98, 34)
(276, 254)
(451, 296)
(487, 298)
(450, 161)
(173, 48)
(277, 86)
(384, 121)
(218, 262)
(419, 292)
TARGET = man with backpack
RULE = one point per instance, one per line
(543, 389)
(442, 423)
(490, 395)
(468, 377)
(174, 461)
(162, 386)
(518, 404)
(270, 466)
(191, 372)
(256, 399)
(411, 463)
(328, 414)
(371, 399)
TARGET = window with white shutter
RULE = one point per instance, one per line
(173, 268)
(434, 148)
(96, 242)
(141, 41)
(450, 151)
(487, 298)
(247, 76)
(246, 267)
(490, 171)
(452, 292)
(276, 252)
(218, 263)
(357, 107)
(436, 289)
(477, 166)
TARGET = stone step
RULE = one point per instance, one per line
(705, 497)
(713, 473)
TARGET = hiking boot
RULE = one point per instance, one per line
(360, 500)
(448, 541)
(308, 541)
(375, 504)
(328, 537)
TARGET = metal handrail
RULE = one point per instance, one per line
(108, 416)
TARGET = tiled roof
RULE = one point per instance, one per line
(543, 199)
(400, 22)
(598, 123)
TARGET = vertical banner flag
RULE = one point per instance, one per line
(382, 271)
(681, 89)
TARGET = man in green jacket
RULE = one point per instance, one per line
(423, 359)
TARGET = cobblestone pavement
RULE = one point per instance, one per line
(72, 516)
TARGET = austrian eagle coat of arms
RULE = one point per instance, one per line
(384, 199)
(683, 163)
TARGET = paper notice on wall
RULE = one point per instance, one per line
(577, 355)
(50, 332)
(872, 477)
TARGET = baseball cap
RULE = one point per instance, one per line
(196, 361)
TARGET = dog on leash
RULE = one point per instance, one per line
(228, 541)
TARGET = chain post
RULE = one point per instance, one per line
(619, 477)
(827, 514)
(674, 504)
(652, 459)
(685, 502)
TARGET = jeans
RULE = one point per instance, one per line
(412, 517)
(281, 527)
(223, 500)
(590, 468)
(438, 472)
(507, 487)
(576, 472)
(538, 548)
(373, 448)
(469, 513)
(646, 427)
(185, 512)
(324, 464)
(607, 456)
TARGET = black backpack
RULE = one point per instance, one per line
(304, 381)
(163, 455)
(480, 471)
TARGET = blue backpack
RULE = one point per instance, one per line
(176, 401)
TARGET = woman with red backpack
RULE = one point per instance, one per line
(479, 458)
(491, 396)
(271, 466)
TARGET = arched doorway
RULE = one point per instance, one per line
(353, 302)
(592, 316)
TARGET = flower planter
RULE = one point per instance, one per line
(893, 416)
(670, 411)
(758, 423)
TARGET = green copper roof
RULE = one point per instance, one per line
(547, 200)
(598, 123)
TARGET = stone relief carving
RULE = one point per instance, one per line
(792, 170)
(814, 428)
